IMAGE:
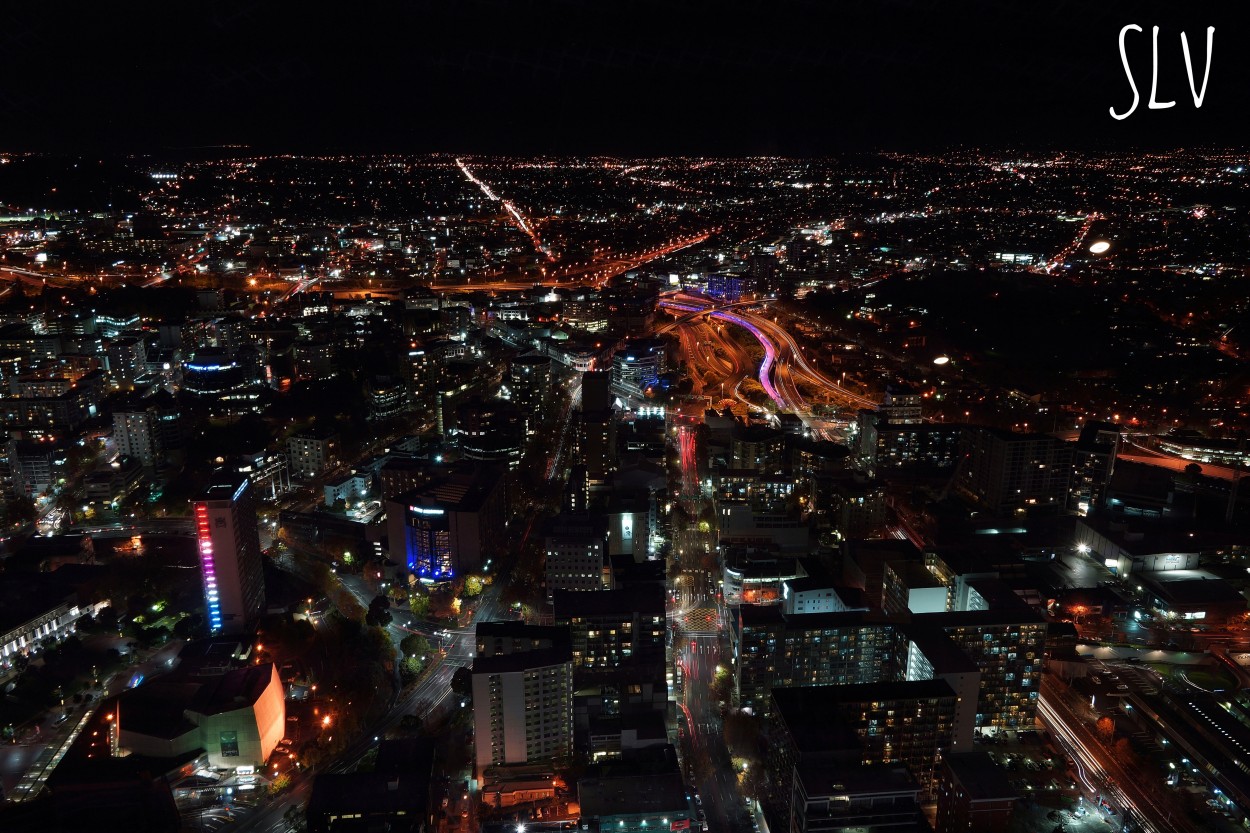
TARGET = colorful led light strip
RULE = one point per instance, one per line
(211, 599)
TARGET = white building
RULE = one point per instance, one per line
(522, 695)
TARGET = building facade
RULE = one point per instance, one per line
(229, 547)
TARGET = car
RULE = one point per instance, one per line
(60, 720)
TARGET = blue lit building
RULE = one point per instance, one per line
(451, 525)
(729, 287)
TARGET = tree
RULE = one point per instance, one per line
(415, 645)
(462, 682)
(1125, 754)
(20, 509)
(473, 586)
(379, 613)
(419, 604)
(279, 784)
(1106, 729)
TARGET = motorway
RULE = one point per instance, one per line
(781, 369)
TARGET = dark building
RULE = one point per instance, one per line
(905, 723)
(491, 430)
(974, 794)
(1093, 465)
(1003, 473)
(395, 796)
(529, 381)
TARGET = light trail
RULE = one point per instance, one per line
(517, 217)
(1072, 247)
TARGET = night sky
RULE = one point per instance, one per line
(598, 76)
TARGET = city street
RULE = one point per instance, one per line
(429, 698)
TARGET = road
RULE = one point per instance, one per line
(1100, 773)
(783, 364)
(430, 697)
(700, 646)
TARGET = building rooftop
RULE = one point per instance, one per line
(980, 777)
(643, 599)
(633, 795)
(233, 690)
(821, 779)
(522, 661)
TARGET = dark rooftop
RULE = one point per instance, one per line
(980, 777)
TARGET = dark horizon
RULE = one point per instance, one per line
(798, 79)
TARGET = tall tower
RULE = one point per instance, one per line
(229, 544)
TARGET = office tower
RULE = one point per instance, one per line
(596, 390)
(229, 545)
(577, 490)
(596, 443)
(386, 398)
(490, 430)
(637, 366)
(451, 524)
(522, 695)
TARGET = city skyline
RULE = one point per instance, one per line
(490, 417)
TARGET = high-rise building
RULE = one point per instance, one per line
(491, 430)
(637, 366)
(613, 629)
(900, 406)
(596, 390)
(386, 398)
(529, 380)
(449, 525)
(313, 452)
(775, 650)
(757, 448)
(1093, 465)
(1005, 473)
(1006, 642)
(596, 443)
(128, 361)
(229, 546)
(576, 547)
(136, 434)
(419, 371)
(522, 695)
